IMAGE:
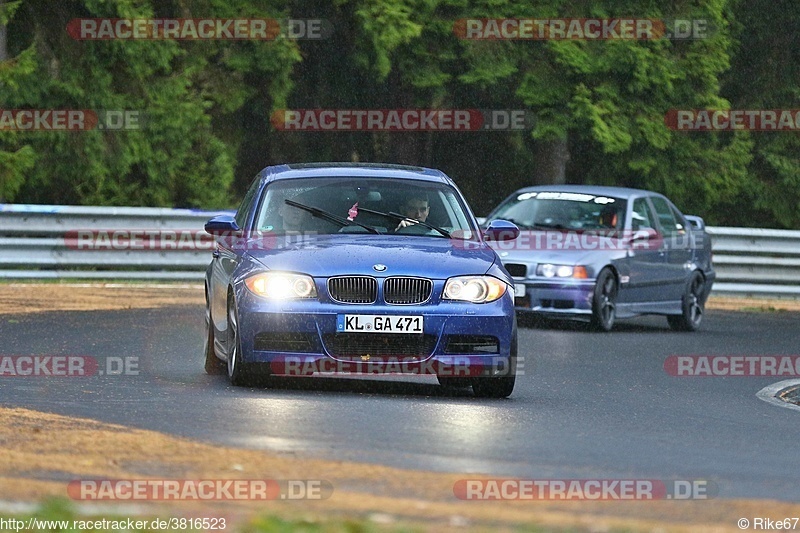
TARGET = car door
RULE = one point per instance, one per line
(646, 258)
(225, 258)
(677, 248)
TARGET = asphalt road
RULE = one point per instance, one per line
(589, 405)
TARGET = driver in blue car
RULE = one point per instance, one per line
(416, 208)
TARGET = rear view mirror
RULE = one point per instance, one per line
(501, 230)
(222, 225)
(697, 223)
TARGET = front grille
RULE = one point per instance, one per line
(471, 344)
(516, 270)
(353, 289)
(401, 345)
(285, 342)
(407, 290)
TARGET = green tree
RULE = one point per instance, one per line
(178, 157)
(765, 74)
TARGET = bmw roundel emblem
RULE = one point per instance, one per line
(379, 267)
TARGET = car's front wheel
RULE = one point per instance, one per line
(692, 305)
(501, 386)
(238, 371)
(604, 303)
(453, 383)
(493, 387)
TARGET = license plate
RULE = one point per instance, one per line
(379, 324)
(519, 290)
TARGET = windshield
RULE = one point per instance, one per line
(563, 210)
(363, 205)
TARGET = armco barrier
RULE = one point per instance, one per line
(33, 244)
(749, 261)
(756, 262)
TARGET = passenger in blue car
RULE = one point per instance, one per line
(294, 218)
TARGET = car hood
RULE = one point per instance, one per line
(324, 256)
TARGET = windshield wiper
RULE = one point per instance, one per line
(399, 217)
(520, 225)
(549, 226)
(319, 213)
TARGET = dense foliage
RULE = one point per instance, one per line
(599, 105)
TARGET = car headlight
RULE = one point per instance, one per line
(475, 289)
(561, 271)
(281, 285)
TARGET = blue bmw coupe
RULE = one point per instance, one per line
(359, 269)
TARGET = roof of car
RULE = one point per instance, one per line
(371, 170)
(597, 190)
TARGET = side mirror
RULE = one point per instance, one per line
(222, 225)
(697, 223)
(501, 230)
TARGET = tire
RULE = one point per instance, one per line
(604, 302)
(453, 383)
(214, 365)
(499, 387)
(692, 305)
(493, 387)
(238, 371)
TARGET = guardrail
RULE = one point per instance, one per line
(756, 262)
(37, 241)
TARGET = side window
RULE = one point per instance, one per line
(680, 222)
(642, 217)
(666, 217)
(247, 201)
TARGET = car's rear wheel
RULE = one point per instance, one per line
(214, 365)
(238, 371)
(604, 303)
(692, 305)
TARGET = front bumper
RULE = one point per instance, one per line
(556, 297)
(299, 338)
